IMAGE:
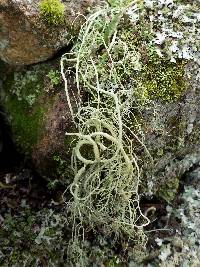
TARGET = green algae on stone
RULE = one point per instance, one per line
(25, 118)
(26, 124)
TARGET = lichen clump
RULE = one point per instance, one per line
(52, 11)
(124, 65)
(32, 237)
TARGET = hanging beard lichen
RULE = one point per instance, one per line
(105, 186)
(110, 58)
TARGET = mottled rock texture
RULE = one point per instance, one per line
(35, 102)
(172, 133)
(25, 36)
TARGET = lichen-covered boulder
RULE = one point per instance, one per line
(37, 110)
(31, 32)
(164, 109)
(154, 76)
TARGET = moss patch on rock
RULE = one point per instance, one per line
(25, 104)
(52, 11)
(164, 82)
(34, 236)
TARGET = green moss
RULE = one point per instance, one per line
(52, 11)
(26, 124)
(164, 82)
(168, 191)
(152, 78)
(25, 105)
(25, 120)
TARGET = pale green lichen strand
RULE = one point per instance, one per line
(122, 76)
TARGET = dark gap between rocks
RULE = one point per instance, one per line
(57, 55)
(9, 157)
(18, 179)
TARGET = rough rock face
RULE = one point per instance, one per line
(172, 133)
(25, 38)
(35, 102)
(39, 116)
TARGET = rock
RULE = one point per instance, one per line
(35, 102)
(26, 37)
(39, 116)
(193, 176)
(172, 136)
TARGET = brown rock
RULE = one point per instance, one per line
(25, 37)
